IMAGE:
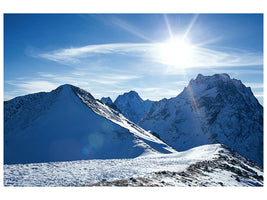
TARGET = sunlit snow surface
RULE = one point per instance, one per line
(87, 172)
(68, 124)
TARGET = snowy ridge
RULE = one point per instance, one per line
(210, 165)
(114, 116)
(73, 126)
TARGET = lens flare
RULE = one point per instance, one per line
(96, 140)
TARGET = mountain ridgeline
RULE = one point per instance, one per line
(211, 109)
(69, 124)
(132, 106)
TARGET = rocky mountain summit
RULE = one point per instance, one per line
(132, 106)
(211, 109)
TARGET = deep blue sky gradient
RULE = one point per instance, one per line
(26, 36)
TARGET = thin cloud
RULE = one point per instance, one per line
(119, 77)
(24, 87)
(259, 95)
(150, 52)
(181, 83)
(254, 85)
(89, 76)
(162, 93)
(157, 93)
(74, 55)
(95, 82)
(227, 57)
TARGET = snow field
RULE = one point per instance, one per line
(85, 172)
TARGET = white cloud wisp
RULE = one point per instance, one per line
(150, 52)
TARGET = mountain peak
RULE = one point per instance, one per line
(199, 76)
(70, 124)
(211, 109)
(215, 81)
(132, 93)
(225, 75)
(222, 76)
(132, 105)
(131, 96)
(228, 88)
(106, 100)
(65, 86)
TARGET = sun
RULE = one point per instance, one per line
(176, 52)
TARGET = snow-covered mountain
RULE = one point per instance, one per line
(98, 146)
(208, 165)
(106, 100)
(67, 124)
(211, 109)
(109, 103)
(132, 106)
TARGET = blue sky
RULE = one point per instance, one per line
(109, 54)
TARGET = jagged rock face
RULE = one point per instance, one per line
(132, 106)
(70, 124)
(211, 109)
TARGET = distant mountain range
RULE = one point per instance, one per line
(68, 123)
(211, 109)
(195, 138)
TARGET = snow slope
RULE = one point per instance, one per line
(208, 165)
(69, 124)
(132, 106)
(211, 109)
